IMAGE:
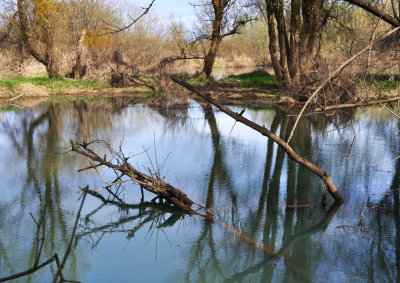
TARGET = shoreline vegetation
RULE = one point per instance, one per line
(257, 87)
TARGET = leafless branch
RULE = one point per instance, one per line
(115, 29)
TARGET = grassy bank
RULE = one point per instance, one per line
(384, 82)
(254, 88)
(259, 79)
(44, 87)
(58, 85)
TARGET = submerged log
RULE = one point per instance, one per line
(152, 183)
(324, 175)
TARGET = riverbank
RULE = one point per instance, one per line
(46, 87)
(258, 88)
(26, 92)
(261, 88)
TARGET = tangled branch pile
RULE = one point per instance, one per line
(152, 183)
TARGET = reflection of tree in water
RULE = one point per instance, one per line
(176, 116)
(288, 231)
(204, 258)
(209, 263)
(132, 218)
(388, 233)
(38, 142)
(42, 173)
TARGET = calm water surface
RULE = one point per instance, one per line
(241, 176)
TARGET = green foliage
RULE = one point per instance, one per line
(56, 85)
(257, 79)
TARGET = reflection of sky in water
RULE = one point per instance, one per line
(232, 171)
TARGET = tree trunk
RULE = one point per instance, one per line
(272, 44)
(294, 63)
(294, 66)
(48, 59)
(51, 63)
(79, 70)
(262, 130)
(209, 60)
(283, 42)
(216, 38)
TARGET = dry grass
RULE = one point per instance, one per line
(32, 90)
(4, 92)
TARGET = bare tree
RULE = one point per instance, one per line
(35, 21)
(294, 28)
(392, 19)
(217, 19)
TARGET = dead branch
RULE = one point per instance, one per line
(262, 130)
(358, 104)
(153, 183)
(360, 224)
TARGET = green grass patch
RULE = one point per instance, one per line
(257, 79)
(55, 85)
(8, 108)
(196, 81)
(383, 81)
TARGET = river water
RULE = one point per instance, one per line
(246, 180)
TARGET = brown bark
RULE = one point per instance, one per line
(79, 70)
(262, 130)
(272, 44)
(294, 39)
(209, 60)
(216, 37)
(296, 51)
(282, 38)
(48, 58)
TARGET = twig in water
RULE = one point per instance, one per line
(68, 250)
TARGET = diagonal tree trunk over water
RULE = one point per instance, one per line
(324, 175)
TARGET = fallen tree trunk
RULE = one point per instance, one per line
(152, 184)
(358, 104)
(324, 175)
